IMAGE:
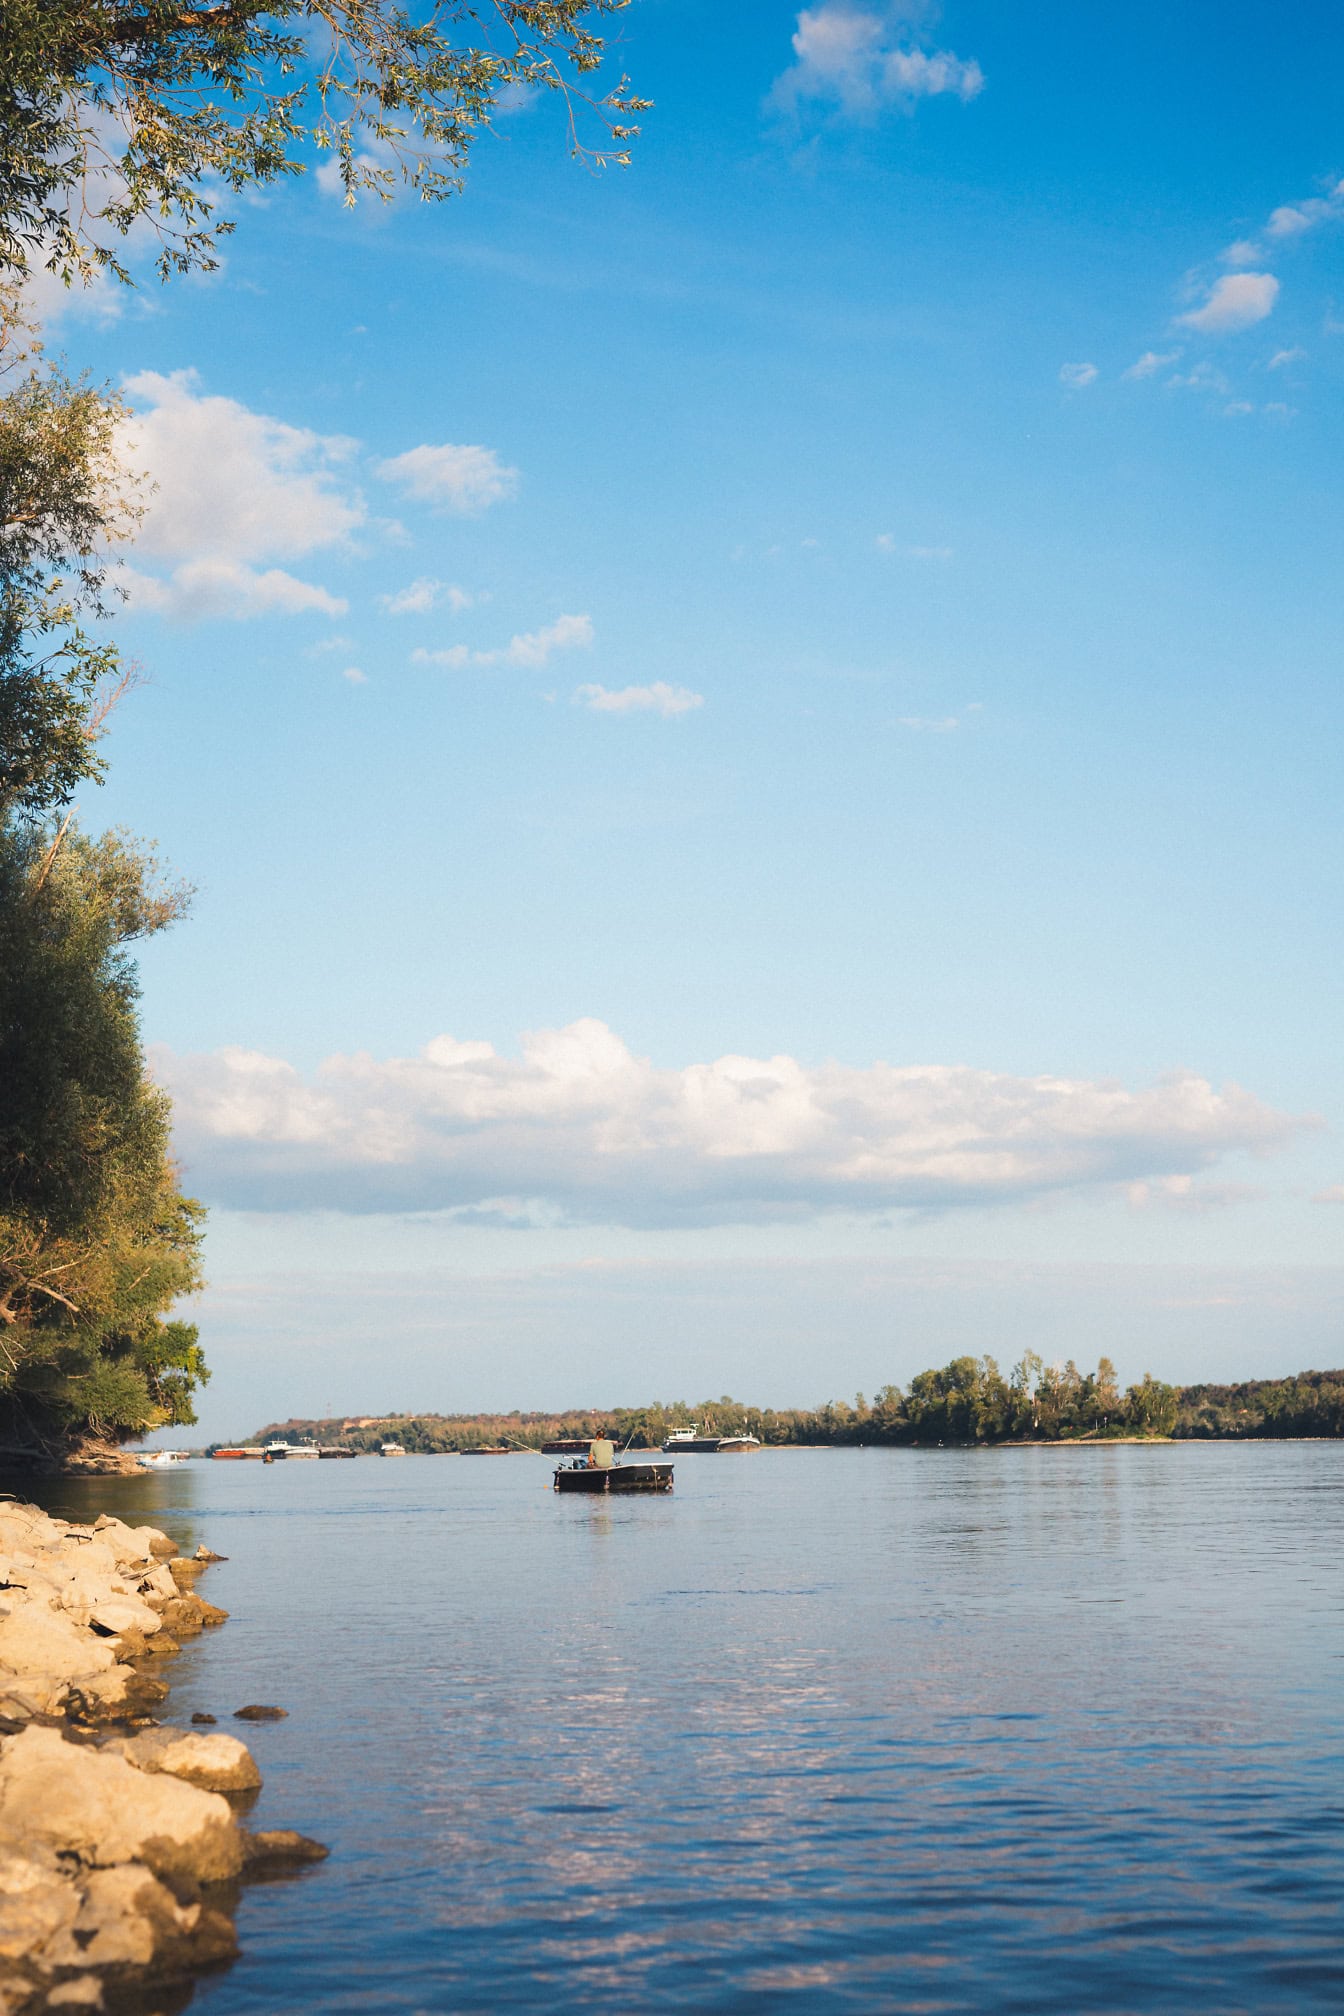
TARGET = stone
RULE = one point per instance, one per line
(36, 1904)
(215, 1763)
(256, 1712)
(81, 1991)
(204, 1553)
(134, 1543)
(118, 1614)
(130, 1923)
(281, 1844)
(96, 1808)
(201, 1716)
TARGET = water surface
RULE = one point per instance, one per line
(1018, 1730)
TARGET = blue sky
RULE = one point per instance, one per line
(841, 619)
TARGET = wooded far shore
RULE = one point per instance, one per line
(968, 1403)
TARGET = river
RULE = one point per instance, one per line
(1019, 1730)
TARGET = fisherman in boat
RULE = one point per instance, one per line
(601, 1453)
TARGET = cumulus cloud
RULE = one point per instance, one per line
(1284, 357)
(659, 698)
(530, 648)
(1150, 363)
(1078, 376)
(858, 60)
(1288, 221)
(425, 594)
(1236, 301)
(232, 491)
(203, 589)
(466, 480)
(578, 1126)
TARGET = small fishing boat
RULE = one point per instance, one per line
(161, 1459)
(615, 1477)
(391, 1449)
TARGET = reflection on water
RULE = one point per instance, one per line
(1018, 1730)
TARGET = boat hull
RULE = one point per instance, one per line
(702, 1445)
(621, 1477)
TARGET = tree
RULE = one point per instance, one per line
(1152, 1407)
(96, 1240)
(63, 499)
(115, 113)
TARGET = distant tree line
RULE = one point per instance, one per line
(968, 1403)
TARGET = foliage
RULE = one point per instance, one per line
(63, 500)
(96, 1239)
(118, 112)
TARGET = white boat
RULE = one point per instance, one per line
(391, 1449)
(305, 1449)
(162, 1459)
(689, 1442)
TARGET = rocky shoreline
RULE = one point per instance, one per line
(122, 1845)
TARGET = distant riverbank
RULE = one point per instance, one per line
(967, 1404)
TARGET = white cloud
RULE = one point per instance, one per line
(531, 648)
(1290, 220)
(887, 542)
(1243, 252)
(584, 1128)
(355, 676)
(1332, 1194)
(860, 59)
(1283, 357)
(203, 589)
(1237, 409)
(1151, 362)
(328, 174)
(425, 594)
(232, 490)
(659, 698)
(1078, 376)
(1202, 377)
(461, 479)
(1235, 301)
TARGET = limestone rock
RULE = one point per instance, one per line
(215, 1763)
(81, 1991)
(36, 1904)
(98, 1809)
(256, 1711)
(281, 1844)
(130, 1923)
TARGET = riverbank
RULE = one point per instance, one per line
(122, 1844)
